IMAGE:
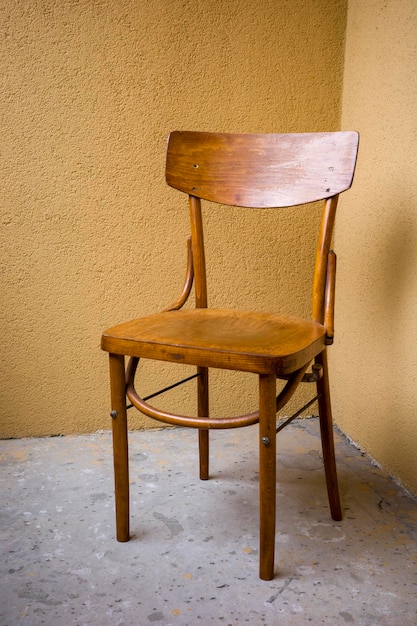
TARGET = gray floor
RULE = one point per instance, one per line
(193, 556)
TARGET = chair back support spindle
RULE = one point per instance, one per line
(199, 260)
(262, 171)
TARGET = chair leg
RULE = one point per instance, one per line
(267, 474)
(203, 411)
(327, 440)
(120, 445)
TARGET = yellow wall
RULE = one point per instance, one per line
(90, 234)
(375, 356)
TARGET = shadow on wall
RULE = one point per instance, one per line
(395, 309)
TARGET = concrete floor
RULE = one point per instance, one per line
(193, 556)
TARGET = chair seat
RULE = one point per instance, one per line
(262, 343)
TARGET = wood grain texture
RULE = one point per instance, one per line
(258, 170)
(222, 338)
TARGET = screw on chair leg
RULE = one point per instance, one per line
(120, 445)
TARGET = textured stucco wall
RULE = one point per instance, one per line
(375, 358)
(90, 235)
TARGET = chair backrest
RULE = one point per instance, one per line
(263, 171)
(254, 170)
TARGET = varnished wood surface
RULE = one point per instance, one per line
(120, 445)
(327, 439)
(230, 339)
(258, 170)
(267, 476)
(252, 171)
(329, 299)
(320, 280)
(188, 282)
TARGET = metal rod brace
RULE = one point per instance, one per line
(158, 393)
(303, 408)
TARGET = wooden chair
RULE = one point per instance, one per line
(247, 170)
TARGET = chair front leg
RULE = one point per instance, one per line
(267, 474)
(120, 445)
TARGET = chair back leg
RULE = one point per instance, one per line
(203, 411)
(327, 440)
